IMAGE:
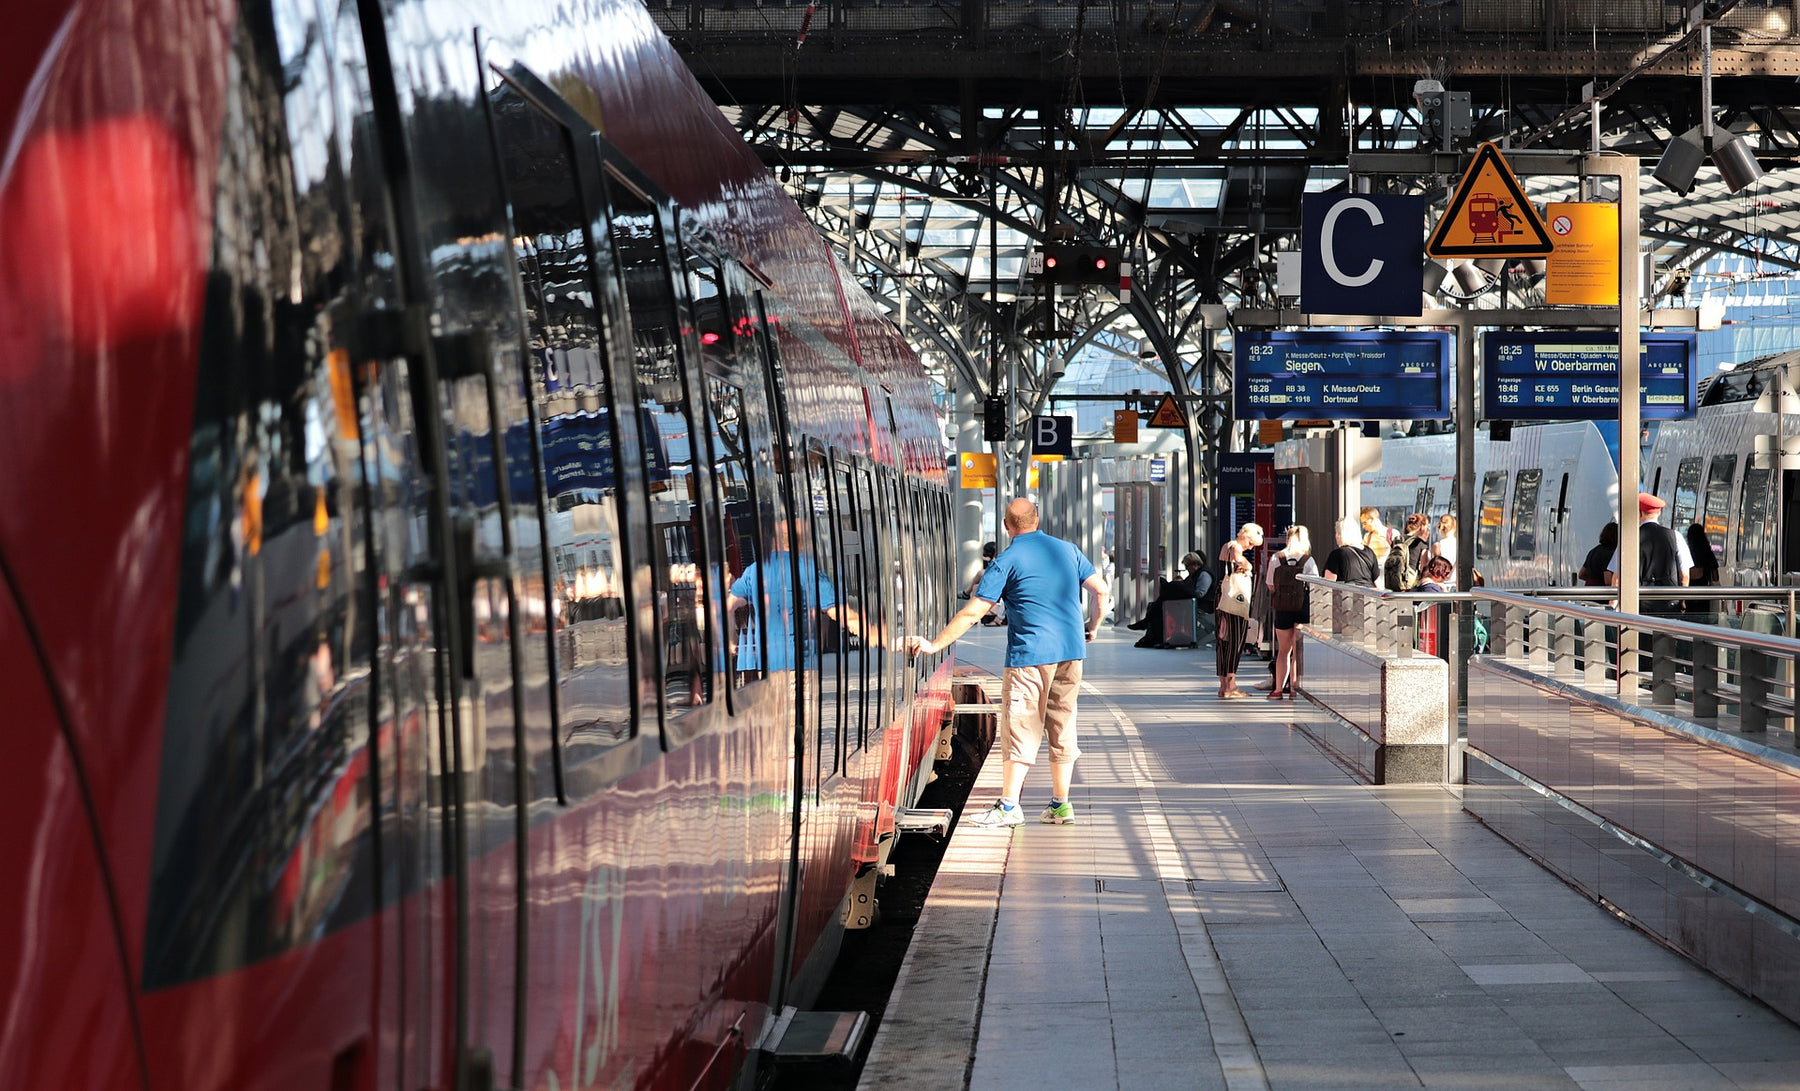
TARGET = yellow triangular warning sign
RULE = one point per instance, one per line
(1489, 216)
(1167, 415)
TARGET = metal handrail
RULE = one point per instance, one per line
(1728, 679)
(1383, 622)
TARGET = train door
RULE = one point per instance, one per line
(561, 466)
(669, 478)
(783, 500)
(1750, 559)
(1565, 556)
(448, 361)
(770, 857)
(1784, 541)
(1426, 498)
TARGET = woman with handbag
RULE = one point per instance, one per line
(1233, 613)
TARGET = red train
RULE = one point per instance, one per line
(456, 520)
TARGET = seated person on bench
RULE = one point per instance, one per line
(1194, 585)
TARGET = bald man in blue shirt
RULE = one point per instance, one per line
(1041, 580)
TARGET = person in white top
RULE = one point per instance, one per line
(1445, 546)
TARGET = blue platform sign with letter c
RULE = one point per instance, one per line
(1362, 254)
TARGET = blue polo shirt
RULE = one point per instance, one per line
(1039, 579)
(816, 593)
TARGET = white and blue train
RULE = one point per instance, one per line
(1545, 493)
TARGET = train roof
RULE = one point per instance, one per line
(1747, 381)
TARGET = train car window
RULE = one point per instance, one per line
(852, 542)
(264, 824)
(925, 530)
(1687, 493)
(875, 588)
(948, 535)
(1756, 511)
(1525, 515)
(677, 536)
(1493, 515)
(1717, 517)
(717, 324)
(835, 634)
(900, 566)
(756, 355)
(1426, 497)
(578, 484)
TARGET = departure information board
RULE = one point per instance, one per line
(1342, 375)
(1575, 376)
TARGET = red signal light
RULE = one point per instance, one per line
(1050, 261)
(709, 338)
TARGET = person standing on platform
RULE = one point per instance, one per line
(1040, 579)
(1288, 596)
(1379, 537)
(1705, 570)
(1663, 557)
(1407, 560)
(1233, 630)
(1439, 576)
(1352, 561)
(1445, 546)
(1593, 566)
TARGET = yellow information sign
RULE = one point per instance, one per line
(1125, 426)
(1584, 267)
(1489, 216)
(978, 470)
(1168, 414)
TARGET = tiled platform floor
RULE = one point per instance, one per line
(1234, 910)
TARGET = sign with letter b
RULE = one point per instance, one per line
(1053, 436)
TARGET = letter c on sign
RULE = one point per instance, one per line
(1328, 253)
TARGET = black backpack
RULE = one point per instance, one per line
(1289, 594)
(1402, 570)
